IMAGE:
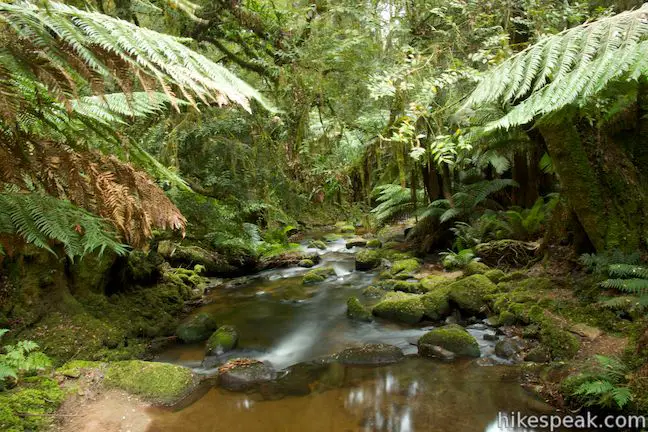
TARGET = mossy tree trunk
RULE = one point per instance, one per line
(602, 184)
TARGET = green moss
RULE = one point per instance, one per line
(26, 407)
(562, 344)
(374, 244)
(514, 276)
(196, 328)
(306, 263)
(475, 267)
(406, 286)
(453, 338)
(373, 292)
(357, 311)
(398, 306)
(329, 238)
(435, 304)
(318, 275)
(432, 282)
(506, 318)
(405, 268)
(74, 368)
(222, 340)
(346, 229)
(471, 294)
(495, 275)
(317, 244)
(367, 259)
(158, 382)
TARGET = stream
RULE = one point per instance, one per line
(289, 325)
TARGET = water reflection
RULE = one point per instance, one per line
(415, 395)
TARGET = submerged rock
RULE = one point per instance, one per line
(435, 351)
(222, 340)
(399, 306)
(357, 311)
(244, 374)
(453, 338)
(196, 328)
(370, 354)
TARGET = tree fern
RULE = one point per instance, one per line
(63, 32)
(394, 201)
(41, 220)
(567, 68)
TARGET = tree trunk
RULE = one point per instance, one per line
(601, 184)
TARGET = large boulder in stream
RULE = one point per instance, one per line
(222, 340)
(370, 355)
(453, 338)
(367, 259)
(400, 306)
(470, 294)
(356, 241)
(244, 374)
(189, 256)
(196, 328)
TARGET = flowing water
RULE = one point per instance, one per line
(284, 323)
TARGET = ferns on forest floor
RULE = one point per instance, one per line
(604, 385)
(21, 358)
(623, 272)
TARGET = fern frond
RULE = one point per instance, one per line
(633, 286)
(42, 219)
(626, 271)
(566, 68)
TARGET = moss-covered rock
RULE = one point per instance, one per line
(30, 406)
(453, 338)
(495, 275)
(506, 318)
(318, 275)
(355, 242)
(405, 268)
(306, 263)
(367, 259)
(189, 256)
(222, 340)
(432, 282)
(435, 304)
(413, 287)
(74, 368)
(562, 344)
(399, 306)
(317, 244)
(471, 294)
(357, 311)
(196, 328)
(475, 267)
(373, 291)
(158, 382)
(370, 354)
(374, 244)
(538, 354)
